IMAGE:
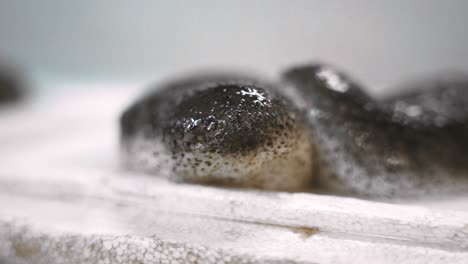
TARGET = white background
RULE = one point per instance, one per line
(379, 42)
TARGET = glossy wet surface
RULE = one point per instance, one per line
(314, 128)
(218, 129)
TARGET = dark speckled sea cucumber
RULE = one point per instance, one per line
(219, 129)
(313, 127)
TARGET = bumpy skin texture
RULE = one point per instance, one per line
(219, 129)
(410, 144)
(316, 125)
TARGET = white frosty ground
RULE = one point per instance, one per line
(64, 199)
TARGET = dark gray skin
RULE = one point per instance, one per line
(230, 122)
(218, 129)
(408, 145)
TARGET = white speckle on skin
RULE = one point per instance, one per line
(334, 81)
(261, 99)
(192, 123)
(313, 112)
(413, 111)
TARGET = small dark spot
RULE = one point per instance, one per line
(305, 232)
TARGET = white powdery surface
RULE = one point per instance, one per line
(65, 199)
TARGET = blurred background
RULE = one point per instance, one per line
(381, 43)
